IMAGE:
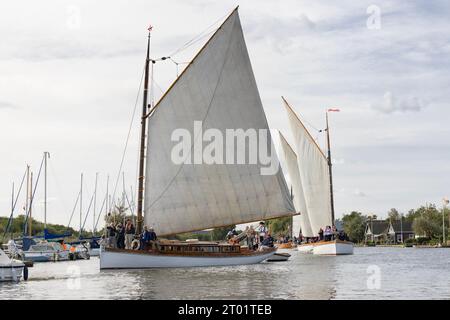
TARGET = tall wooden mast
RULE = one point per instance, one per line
(143, 141)
(330, 171)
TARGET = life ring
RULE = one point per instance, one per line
(135, 244)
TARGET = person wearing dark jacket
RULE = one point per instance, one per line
(120, 236)
(146, 237)
(268, 241)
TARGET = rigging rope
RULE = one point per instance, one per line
(74, 207)
(198, 37)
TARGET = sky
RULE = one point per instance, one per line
(70, 73)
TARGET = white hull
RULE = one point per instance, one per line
(11, 273)
(333, 248)
(10, 270)
(305, 248)
(130, 260)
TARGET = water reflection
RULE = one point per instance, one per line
(403, 274)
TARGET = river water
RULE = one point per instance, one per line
(371, 273)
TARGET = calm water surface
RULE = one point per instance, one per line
(371, 273)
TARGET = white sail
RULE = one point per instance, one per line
(300, 222)
(314, 174)
(218, 88)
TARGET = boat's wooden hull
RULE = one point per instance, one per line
(333, 248)
(129, 259)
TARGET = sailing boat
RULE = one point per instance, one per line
(217, 88)
(311, 177)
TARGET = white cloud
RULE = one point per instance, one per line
(359, 193)
(391, 104)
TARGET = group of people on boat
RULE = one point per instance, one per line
(329, 233)
(255, 237)
(123, 236)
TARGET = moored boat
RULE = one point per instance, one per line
(10, 269)
(45, 252)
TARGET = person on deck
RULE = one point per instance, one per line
(130, 230)
(120, 236)
(320, 234)
(252, 233)
(262, 229)
(334, 233)
(268, 241)
(327, 233)
(111, 235)
(144, 239)
(153, 236)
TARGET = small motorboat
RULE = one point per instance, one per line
(11, 269)
(279, 256)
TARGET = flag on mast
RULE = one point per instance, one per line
(334, 110)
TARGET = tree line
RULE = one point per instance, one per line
(426, 222)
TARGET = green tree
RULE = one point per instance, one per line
(355, 225)
(219, 234)
(427, 221)
(279, 226)
(428, 228)
(393, 215)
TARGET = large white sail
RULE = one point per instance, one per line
(314, 174)
(218, 88)
(300, 222)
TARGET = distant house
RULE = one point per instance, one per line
(400, 232)
(382, 231)
(376, 231)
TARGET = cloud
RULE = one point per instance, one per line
(281, 34)
(359, 193)
(391, 104)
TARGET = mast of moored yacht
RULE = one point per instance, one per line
(143, 140)
(81, 203)
(95, 203)
(30, 224)
(330, 171)
(46, 155)
(27, 192)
